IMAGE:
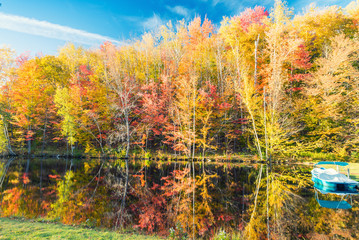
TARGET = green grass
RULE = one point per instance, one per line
(25, 229)
(318, 156)
(354, 171)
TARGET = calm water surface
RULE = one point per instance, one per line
(180, 200)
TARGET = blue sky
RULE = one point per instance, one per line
(42, 27)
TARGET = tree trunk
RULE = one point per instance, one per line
(6, 133)
(41, 178)
(255, 60)
(127, 134)
(29, 142)
(44, 135)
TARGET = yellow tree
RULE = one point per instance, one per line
(82, 102)
(243, 38)
(192, 70)
(171, 47)
(67, 110)
(52, 73)
(73, 56)
(148, 58)
(281, 44)
(331, 92)
(67, 97)
(31, 91)
(317, 26)
(6, 64)
(206, 108)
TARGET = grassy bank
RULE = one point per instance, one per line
(354, 171)
(25, 229)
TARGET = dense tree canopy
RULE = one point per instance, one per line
(263, 82)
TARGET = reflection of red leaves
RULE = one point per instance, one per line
(151, 217)
(241, 226)
(54, 176)
(98, 179)
(225, 218)
(25, 178)
(50, 193)
(141, 176)
(101, 136)
(176, 183)
(155, 186)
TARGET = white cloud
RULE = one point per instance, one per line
(304, 4)
(50, 30)
(180, 10)
(153, 22)
(228, 3)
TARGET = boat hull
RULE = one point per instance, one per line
(334, 187)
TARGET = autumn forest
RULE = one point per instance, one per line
(268, 84)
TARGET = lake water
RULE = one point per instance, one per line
(176, 199)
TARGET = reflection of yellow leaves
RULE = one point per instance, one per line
(2, 168)
(90, 165)
(86, 167)
(15, 178)
(120, 163)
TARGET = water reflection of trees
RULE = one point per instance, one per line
(160, 198)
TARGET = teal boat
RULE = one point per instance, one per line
(331, 180)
